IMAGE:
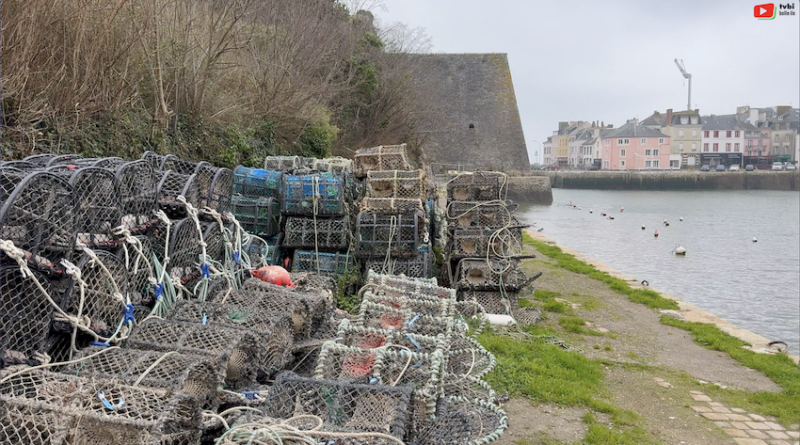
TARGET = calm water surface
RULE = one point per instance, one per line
(755, 286)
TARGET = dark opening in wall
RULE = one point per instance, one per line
(471, 125)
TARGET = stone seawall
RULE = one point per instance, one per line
(530, 189)
(758, 180)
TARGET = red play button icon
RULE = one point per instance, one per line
(765, 11)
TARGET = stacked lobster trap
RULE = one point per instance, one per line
(485, 242)
(393, 233)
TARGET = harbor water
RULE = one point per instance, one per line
(754, 285)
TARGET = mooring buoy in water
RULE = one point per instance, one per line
(680, 250)
(622, 209)
(642, 226)
(755, 240)
(680, 219)
(656, 234)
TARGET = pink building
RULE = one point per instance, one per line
(756, 141)
(635, 147)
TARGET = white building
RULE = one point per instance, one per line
(722, 140)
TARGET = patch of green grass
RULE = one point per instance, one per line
(632, 355)
(778, 367)
(566, 261)
(550, 304)
(603, 435)
(577, 325)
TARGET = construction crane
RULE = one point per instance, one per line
(687, 76)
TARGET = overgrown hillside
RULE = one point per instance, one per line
(229, 81)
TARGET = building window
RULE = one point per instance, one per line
(660, 141)
(674, 164)
(706, 134)
(728, 134)
(655, 152)
(622, 164)
(716, 147)
(786, 138)
(680, 146)
(608, 141)
(694, 146)
(647, 163)
(728, 146)
(623, 141)
(750, 143)
(655, 163)
(736, 147)
(777, 138)
(648, 152)
(605, 164)
(680, 133)
(694, 133)
(737, 134)
(705, 146)
(760, 142)
(759, 152)
(644, 141)
(622, 152)
(716, 134)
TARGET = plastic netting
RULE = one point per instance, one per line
(383, 157)
(469, 387)
(178, 165)
(194, 374)
(185, 250)
(418, 267)
(313, 195)
(216, 186)
(527, 315)
(171, 186)
(466, 214)
(379, 316)
(237, 350)
(40, 160)
(467, 358)
(350, 334)
(275, 328)
(283, 163)
(487, 420)
(102, 299)
(138, 193)
(267, 250)
(491, 274)
(327, 264)
(25, 314)
(478, 186)
(18, 165)
(153, 159)
(424, 306)
(493, 302)
(38, 407)
(483, 242)
(390, 206)
(259, 216)
(398, 235)
(324, 233)
(64, 159)
(257, 182)
(99, 208)
(39, 214)
(397, 184)
(417, 286)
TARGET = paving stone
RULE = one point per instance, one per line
(701, 409)
(723, 424)
(733, 432)
(757, 434)
(738, 410)
(757, 425)
(721, 409)
(739, 425)
(749, 441)
(664, 384)
(793, 434)
(739, 418)
(775, 426)
(795, 426)
(658, 379)
(778, 434)
(714, 416)
(701, 397)
(757, 417)
(602, 330)
(779, 442)
(695, 392)
(715, 404)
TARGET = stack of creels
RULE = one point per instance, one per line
(256, 200)
(189, 239)
(380, 158)
(39, 407)
(494, 283)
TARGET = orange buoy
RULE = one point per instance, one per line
(622, 209)
(274, 275)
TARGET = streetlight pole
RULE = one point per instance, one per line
(541, 149)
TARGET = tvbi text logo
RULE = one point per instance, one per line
(768, 11)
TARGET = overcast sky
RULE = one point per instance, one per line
(613, 60)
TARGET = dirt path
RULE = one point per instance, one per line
(664, 384)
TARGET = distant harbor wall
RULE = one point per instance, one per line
(530, 189)
(673, 180)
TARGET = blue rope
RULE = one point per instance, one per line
(204, 270)
(110, 406)
(236, 258)
(159, 288)
(411, 322)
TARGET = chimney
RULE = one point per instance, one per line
(668, 120)
(697, 110)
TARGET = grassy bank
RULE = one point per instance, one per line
(779, 368)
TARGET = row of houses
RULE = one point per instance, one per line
(675, 140)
